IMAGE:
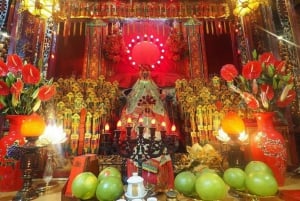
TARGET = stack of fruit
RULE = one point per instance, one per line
(206, 184)
(255, 180)
(107, 186)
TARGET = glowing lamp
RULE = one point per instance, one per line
(41, 8)
(232, 124)
(244, 7)
(233, 130)
(32, 126)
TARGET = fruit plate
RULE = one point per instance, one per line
(248, 196)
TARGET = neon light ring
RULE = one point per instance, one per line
(145, 50)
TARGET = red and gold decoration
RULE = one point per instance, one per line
(40, 8)
(245, 7)
(176, 45)
(114, 46)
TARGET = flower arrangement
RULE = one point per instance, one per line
(114, 46)
(22, 87)
(176, 45)
(264, 84)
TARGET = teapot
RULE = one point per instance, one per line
(135, 188)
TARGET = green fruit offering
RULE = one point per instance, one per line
(261, 184)
(109, 171)
(109, 189)
(257, 166)
(235, 178)
(185, 183)
(84, 185)
(210, 186)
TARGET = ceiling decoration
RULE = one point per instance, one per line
(245, 7)
(117, 9)
(40, 8)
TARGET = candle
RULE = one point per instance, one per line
(119, 124)
(163, 125)
(140, 121)
(173, 128)
(106, 127)
(129, 121)
(153, 122)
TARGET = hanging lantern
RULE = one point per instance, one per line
(41, 8)
(244, 7)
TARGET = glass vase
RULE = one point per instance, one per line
(11, 176)
(268, 145)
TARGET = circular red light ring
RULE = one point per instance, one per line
(152, 39)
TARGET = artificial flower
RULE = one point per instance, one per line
(264, 84)
(114, 46)
(22, 87)
(175, 45)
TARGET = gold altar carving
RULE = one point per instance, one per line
(202, 105)
(103, 9)
(82, 107)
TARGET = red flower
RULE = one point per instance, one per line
(3, 68)
(288, 100)
(14, 63)
(268, 91)
(17, 88)
(252, 70)
(31, 74)
(267, 58)
(250, 100)
(2, 106)
(46, 92)
(229, 72)
(280, 67)
(4, 89)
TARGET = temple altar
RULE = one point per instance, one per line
(138, 83)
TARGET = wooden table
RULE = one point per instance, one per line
(54, 194)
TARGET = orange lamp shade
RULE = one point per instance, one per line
(232, 124)
(33, 126)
